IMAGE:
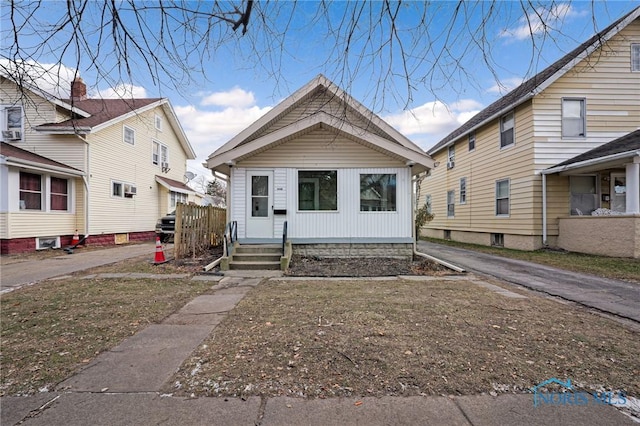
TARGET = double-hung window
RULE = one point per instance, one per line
(178, 197)
(11, 118)
(507, 124)
(573, 118)
(472, 141)
(451, 157)
(451, 203)
(59, 194)
(502, 197)
(129, 135)
(30, 191)
(160, 154)
(635, 57)
(463, 190)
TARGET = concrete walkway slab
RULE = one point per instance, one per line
(15, 408)
(364, 411)
(211, 304)
(142, 363)
(516, 410)
(146, 409)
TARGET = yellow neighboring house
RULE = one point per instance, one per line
(104, 168)
(555, 162)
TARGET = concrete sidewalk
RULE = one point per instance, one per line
(16, 273)
(615, 297)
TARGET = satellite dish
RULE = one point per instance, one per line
(189, 176)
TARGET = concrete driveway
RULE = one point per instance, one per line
(616, 297)
(16, 273)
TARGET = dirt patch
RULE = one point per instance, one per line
(323, 339)
(363, 267)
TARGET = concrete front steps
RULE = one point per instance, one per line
(256, 257)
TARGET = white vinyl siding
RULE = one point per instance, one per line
(348, 223)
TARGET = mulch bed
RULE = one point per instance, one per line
(304, 266)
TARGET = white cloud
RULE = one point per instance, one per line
(505, 85)
(54, 79)
(123, 90)
(429, 123)
(235, 97)
(540, 21)
(208, 129)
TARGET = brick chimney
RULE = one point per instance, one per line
(78, 90)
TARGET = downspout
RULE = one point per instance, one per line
(85, 180)
(544, 209)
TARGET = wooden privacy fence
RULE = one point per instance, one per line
(197, 229)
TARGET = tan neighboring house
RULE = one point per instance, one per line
(327, 172)
(513, 175)
(106, 168)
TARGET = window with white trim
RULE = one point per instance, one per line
(472, 141)
(121, 189)
(11, 123)
(635, 57)
(178, 197)
(59, 194)
(427, 202)
(573, 118)
(502, 197)
(30, 191)
(158, 122)
(507, 124)
(463, 190)
(451, 203)
(584, 194)
(377, 192)
(451, 157)
(129, 135)
(160, 154)
(318, 190)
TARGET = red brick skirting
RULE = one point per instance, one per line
(24, 245)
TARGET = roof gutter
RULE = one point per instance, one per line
(57, 130)
(16, 162)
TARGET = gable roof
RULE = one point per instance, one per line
(618, 149)
(537, 83)
(174, 185)
(102, 113)
(252, 139)
(14, 156)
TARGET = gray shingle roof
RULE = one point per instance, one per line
(526, 89)
(627, 143)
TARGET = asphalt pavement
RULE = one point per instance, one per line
(610, 296)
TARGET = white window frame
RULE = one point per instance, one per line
(582, 118)
(508, 197)
(162, 154)
(316, 182)
(463, 190)
(503, 130)
(113, 186)
(4, 121)
(451, 203)
(50, 193)
(451, 156)
(157, 120)
(176, 197)
(635, 57)
(42, 192)
(395, 190)
(126, 129)
(472, 141)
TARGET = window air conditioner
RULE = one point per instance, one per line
(130, 189)
(165, 167)
(11, 135)
(450, 164)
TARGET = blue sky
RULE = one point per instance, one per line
(239, 84)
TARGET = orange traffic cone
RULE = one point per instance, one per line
(159, 253)
(76, 239)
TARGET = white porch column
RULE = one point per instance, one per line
(633, 186)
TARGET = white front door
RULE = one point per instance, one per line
(618, 192)
(259, 204)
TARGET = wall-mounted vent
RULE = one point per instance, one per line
(43, 243)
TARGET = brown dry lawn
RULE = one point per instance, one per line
(50, 330)
(371, 338)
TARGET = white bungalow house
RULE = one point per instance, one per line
(335, 173)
